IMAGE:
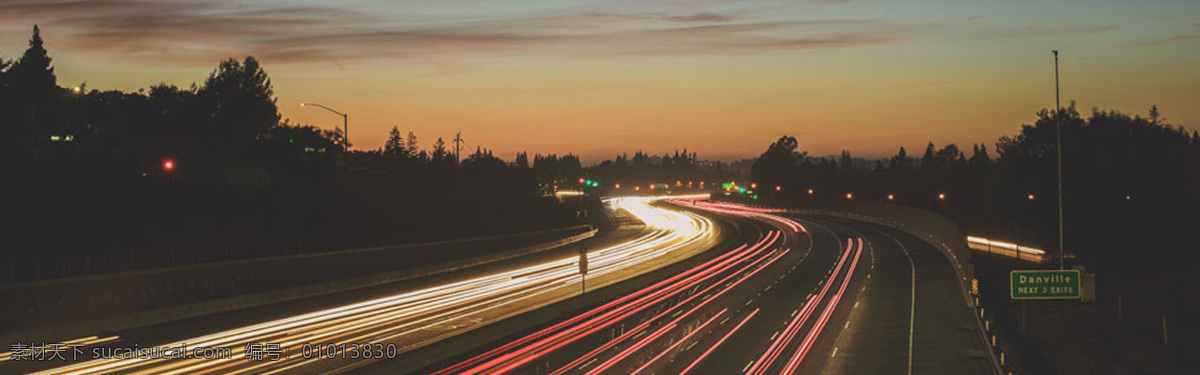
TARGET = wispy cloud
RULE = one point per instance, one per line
(1168, 40)
(1172, 39)
(1046, 31)
(198, 31)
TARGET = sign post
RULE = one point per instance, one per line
(1044, 284)
(583, 268)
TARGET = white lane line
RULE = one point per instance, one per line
(912, 309)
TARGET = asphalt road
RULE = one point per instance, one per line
(777, 294)
(937, 335)
(416, 317)
(800, 295)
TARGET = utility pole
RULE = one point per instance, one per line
(1058, 138)
(457, 147)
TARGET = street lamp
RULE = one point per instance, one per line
(345, 123)
(1058, 139)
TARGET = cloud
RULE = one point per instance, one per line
(197, 32)
(1173, 39)
(1044, 31)
(702, 17)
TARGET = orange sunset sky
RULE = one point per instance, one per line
(598, 78)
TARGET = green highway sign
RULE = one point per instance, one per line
(1044, 284)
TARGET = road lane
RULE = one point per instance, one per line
(809, 295)
(419, 317)
(763, 304)
(937, 335)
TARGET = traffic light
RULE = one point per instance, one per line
(168, 165)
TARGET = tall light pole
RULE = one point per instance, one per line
(345, 123)
(1058, 138)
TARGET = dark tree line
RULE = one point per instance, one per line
(175, 175)
(1132, 185)
(225, 131)
(643, 169)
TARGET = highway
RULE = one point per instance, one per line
(798, 298)
(415, 318)
(759, 308)
(788, 294)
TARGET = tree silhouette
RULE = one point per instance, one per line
(522, 160)
(32, 74)
(927, 160)
(777, 165)
(410, 145)
(395, 145)
(439, 155)
(241, 104)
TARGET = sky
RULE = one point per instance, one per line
(723, 78)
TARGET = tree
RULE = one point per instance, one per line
(927, 159)
(439, 154)
(33, 75)
(410, 145)
(240, 101)
(948, 155)
(900, 161)
(522, 160)
(32, 88)
(394, 146)
(777, 165)
(980, 155)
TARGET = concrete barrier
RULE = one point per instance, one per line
(68, 308)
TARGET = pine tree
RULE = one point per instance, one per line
(440, 155)
(410, 146)
(522, 160)
(32, 74)
(927, 160)
(394, 145)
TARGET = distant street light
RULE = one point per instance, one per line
(345, 123)
(849, 196)
(777, 188)
(891, 197)
(942, 196)
(1031, 197)
(810, 191)
(77, 89)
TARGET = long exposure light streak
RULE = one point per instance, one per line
(416, 318)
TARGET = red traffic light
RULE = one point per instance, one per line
(168, 165)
